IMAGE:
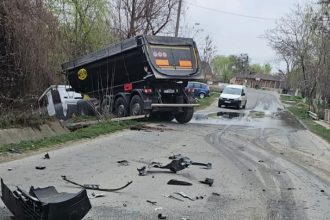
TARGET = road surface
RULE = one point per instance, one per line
(265, 165)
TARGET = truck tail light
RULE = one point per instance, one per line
(147, 91)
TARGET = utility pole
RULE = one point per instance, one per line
(178, 19)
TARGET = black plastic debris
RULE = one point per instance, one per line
(142, 171)
(184, 195)
(45, 203)
(122, 162)
(178, 182)
(40, 167)
(151, 202)
(46, 156)
(161, 216)
(190, 162)
(208, 181)
(95, 186)
(216, 194)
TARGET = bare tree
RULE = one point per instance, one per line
(133, 17)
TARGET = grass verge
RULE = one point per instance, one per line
(207, 101)
(88, 132)
(300, 110)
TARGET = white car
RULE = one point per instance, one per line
(233, 95)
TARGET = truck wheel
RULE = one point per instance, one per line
(136, 106)
(106, 106)
(120, 107)
(84, 109)
(185, 116)
(166, 116)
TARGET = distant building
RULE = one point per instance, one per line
(207, 72)
(258, 80)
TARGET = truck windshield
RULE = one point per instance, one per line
(173, 57)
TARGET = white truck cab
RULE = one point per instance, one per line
(59, 100)
(233, 95)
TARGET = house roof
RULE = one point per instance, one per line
(262, 76)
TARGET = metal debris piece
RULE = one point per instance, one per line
(184, 195)
(142, 171)
(160, 216)
(173, 197)
(158, 208)
(46, 156)
(40, 167)
(208, 181)
(94, 186)
(216, 194)
(188, 160)
(151, 202)
(45, 203)
(98, 195)
(178, 182)
(122, 163)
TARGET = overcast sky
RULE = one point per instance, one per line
(234, 34)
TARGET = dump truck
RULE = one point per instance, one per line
(143, 75)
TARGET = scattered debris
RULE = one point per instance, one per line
(173, 197)
(95, 186)
(281, 153)
(125, 205)
(260, 161)
(322, 190)
(45, 203)
(199, 197)
(146, 128)
(184, 195)
(290, 188)
(142, 171)
(46, 156)
(10, 169)
(216, 194)
(190, 162)
(40, 167)
(158, 208)
(160, 216)
(151, 202)
(263, 190)
(98, 195)
(208, 181)
(178, 182)
(249, 170)
(122, 163)
(14, 151)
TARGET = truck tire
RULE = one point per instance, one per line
(136, 106)
(166, 116)
(120, 109)
(84, 109)
(185, 116)
(106, 106)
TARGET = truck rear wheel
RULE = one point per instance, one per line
(185, 116)
(166, 116)
(120, 107)
(84, 109)
(136, 106)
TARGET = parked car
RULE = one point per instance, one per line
(233, 95)
(200, 90)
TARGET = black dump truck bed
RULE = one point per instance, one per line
(131, 62)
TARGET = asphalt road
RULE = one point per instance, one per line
(265, 165)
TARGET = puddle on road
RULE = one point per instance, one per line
(230, 115)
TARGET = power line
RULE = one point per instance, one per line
(231, 13)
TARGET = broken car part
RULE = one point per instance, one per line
(122, 163)
(94, 186)
(178, 182)
(45, 203)
(46, 156)
(142, 171)
(184, 195)
(40, 167)
(161, 216)
(173, 197)
(151, 202)
(208, 181)
(188, 160)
